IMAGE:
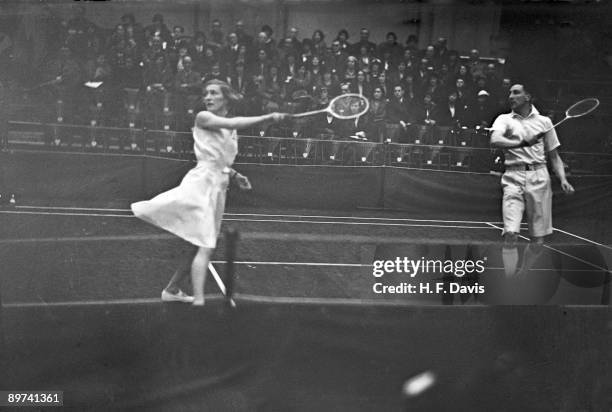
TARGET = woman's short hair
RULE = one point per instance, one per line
(230, 94)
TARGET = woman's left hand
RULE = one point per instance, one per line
(243, 182)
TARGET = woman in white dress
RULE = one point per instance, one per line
(194, 209)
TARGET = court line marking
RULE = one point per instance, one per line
(282, 215)
(563, 253)
(261, 220)
(584, 239)
(243, 297)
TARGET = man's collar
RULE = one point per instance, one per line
(533, 111)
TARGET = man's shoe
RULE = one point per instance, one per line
(179, 296)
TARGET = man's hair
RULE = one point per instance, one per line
(528, 87)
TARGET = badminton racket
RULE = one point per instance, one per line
(579, 109)
(345, 106)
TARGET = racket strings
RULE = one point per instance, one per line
(582, 107)
(349, 106)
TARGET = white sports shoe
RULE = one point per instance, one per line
(180, 296)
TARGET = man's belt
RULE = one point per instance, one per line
(526, 167)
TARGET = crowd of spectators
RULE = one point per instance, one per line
(158, 72)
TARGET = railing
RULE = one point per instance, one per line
(438, 148)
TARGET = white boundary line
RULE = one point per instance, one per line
(584, 239)
(564, 253)
(277, 215)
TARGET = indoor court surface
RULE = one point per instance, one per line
(72, 255)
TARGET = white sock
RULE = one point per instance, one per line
(510, 258)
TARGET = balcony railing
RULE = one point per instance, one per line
(465, 150)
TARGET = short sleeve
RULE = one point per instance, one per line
(551, 141)
(500, 124)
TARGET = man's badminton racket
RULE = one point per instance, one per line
(579, 109)
(345, 106)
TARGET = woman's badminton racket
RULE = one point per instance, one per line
(578, 109)
(345, 106)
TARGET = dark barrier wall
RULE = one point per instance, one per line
(154, 357)
(315, 187)
(442, 193)
(70, 178)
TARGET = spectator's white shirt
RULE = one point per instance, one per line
(514, 124)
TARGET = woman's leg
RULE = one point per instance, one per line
(199, 268)
(183, 270)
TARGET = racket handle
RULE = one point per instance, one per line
(309, 113)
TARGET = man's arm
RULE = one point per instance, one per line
(500, 141)
(557, 166)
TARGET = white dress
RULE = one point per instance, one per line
(194, 209)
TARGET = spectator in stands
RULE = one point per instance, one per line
(300, 83)
(296, 44)
(329, 82)
(492, 77)
(364, 40)
(468, 80)
(197, 52)
(391, 47)
(178, 37)
(399, 73)
(360, 85)
(215, 73)
(501, 93)
(441, 55)
(377, 115)
(159, 29)
(187, 81)
(412, 44)
(364, 59)
(316, 70)
(427, 113)
(356, 127)
(158, 78)
(463, 95)
(64, 76)
(155, 48)
(482, 112)
(336, 60)
(385, 84)
(117, 36)
(274, 85)
(216, 37)
(479, 85)
(265, 43)
(476, 67)
(434, 89)
(307, 53)
(410, 60)
(452, 114)
(261, 64)
(243, 38)
(375, 70)
(128, 20)
(399, 114)
(238, 79)
(128, 75)
(98, 69)
(350, 73)
(453, 62)
(289, 67)
(342, 39)
(319, 47)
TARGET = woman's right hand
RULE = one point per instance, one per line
(278, 117)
